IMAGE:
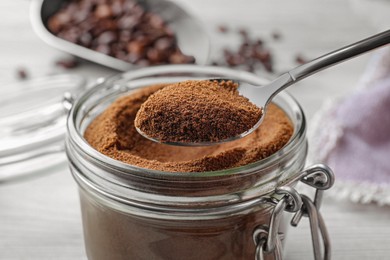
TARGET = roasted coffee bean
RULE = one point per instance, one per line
(138, 10)
(227, 53)
(21, 73)
(107, 37)
(128, 6)
(245, 50)
(128, 22)
(117, 47)
(88, 24)
(136, 47)
(244, 35)
(235, 60)
(102, 26)
(67, 63)
(155, 56)
(250, 67)
(54, 25)
(103, 11)
(259, 43)
(222, 29)
(263, 56)
(189, 59)
(117, 8)
(125, 36)
(169, 32)
(178, 58)
(85, 39)
(156, 21)
(163, 44)
(143, 62)
(105, 49)
(276, 35)
(133, 57)
(70, 35)
(300, 59)
(86, 5)
(243, 32)
(80, 15)
(121, 55)
(120, 28)
(268, 66)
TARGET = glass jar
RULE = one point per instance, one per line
(32, 126)
(134, 213)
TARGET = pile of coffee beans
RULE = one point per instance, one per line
(120, 28)
(252, 54)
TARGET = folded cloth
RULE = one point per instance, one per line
(352, 136)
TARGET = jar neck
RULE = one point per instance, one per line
(100, 174)
(258, 185)
(232, 185)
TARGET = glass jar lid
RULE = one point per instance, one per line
(32, 123)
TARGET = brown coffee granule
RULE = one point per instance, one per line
(113, 134)
(197, 111)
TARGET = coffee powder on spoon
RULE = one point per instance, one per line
(197, 111)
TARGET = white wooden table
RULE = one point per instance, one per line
(40, 218)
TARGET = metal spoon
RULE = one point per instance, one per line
(264, 94)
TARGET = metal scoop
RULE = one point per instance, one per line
(191, 34)
(264, 94)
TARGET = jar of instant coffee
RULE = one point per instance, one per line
(143, 200)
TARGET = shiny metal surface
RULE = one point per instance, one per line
(321, 178)
(350, 51)
(192, 38)
(267, 238)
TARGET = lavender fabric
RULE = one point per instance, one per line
(352, 136)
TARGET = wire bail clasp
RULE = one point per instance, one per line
(321, 178)
(267, 238)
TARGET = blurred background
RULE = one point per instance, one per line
(40, 218)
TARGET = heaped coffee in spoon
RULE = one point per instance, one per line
(197, 111)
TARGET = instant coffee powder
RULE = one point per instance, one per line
(113, 134)
(197, 111)
(143, 200)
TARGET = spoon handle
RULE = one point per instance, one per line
(324, 62)
(340, 55)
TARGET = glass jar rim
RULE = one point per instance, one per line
(76, 137)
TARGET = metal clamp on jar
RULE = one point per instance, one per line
(268, 239)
